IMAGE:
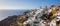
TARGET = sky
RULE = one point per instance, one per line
(26, 4)
(16, 7)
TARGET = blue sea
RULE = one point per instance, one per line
(5, 13)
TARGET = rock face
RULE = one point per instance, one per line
(13, 21)
(39, 17)
(7, 21)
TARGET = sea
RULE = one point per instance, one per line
(5, 13)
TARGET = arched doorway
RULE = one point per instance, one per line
(58, 23)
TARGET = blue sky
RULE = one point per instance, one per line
(26, 4)
(17, 6)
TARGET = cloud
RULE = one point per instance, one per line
(11, 7)
(16, 4)
(5, 7)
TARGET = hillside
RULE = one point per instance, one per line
(37, 17)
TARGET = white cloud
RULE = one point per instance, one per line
(10, 7)
(16, 5)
